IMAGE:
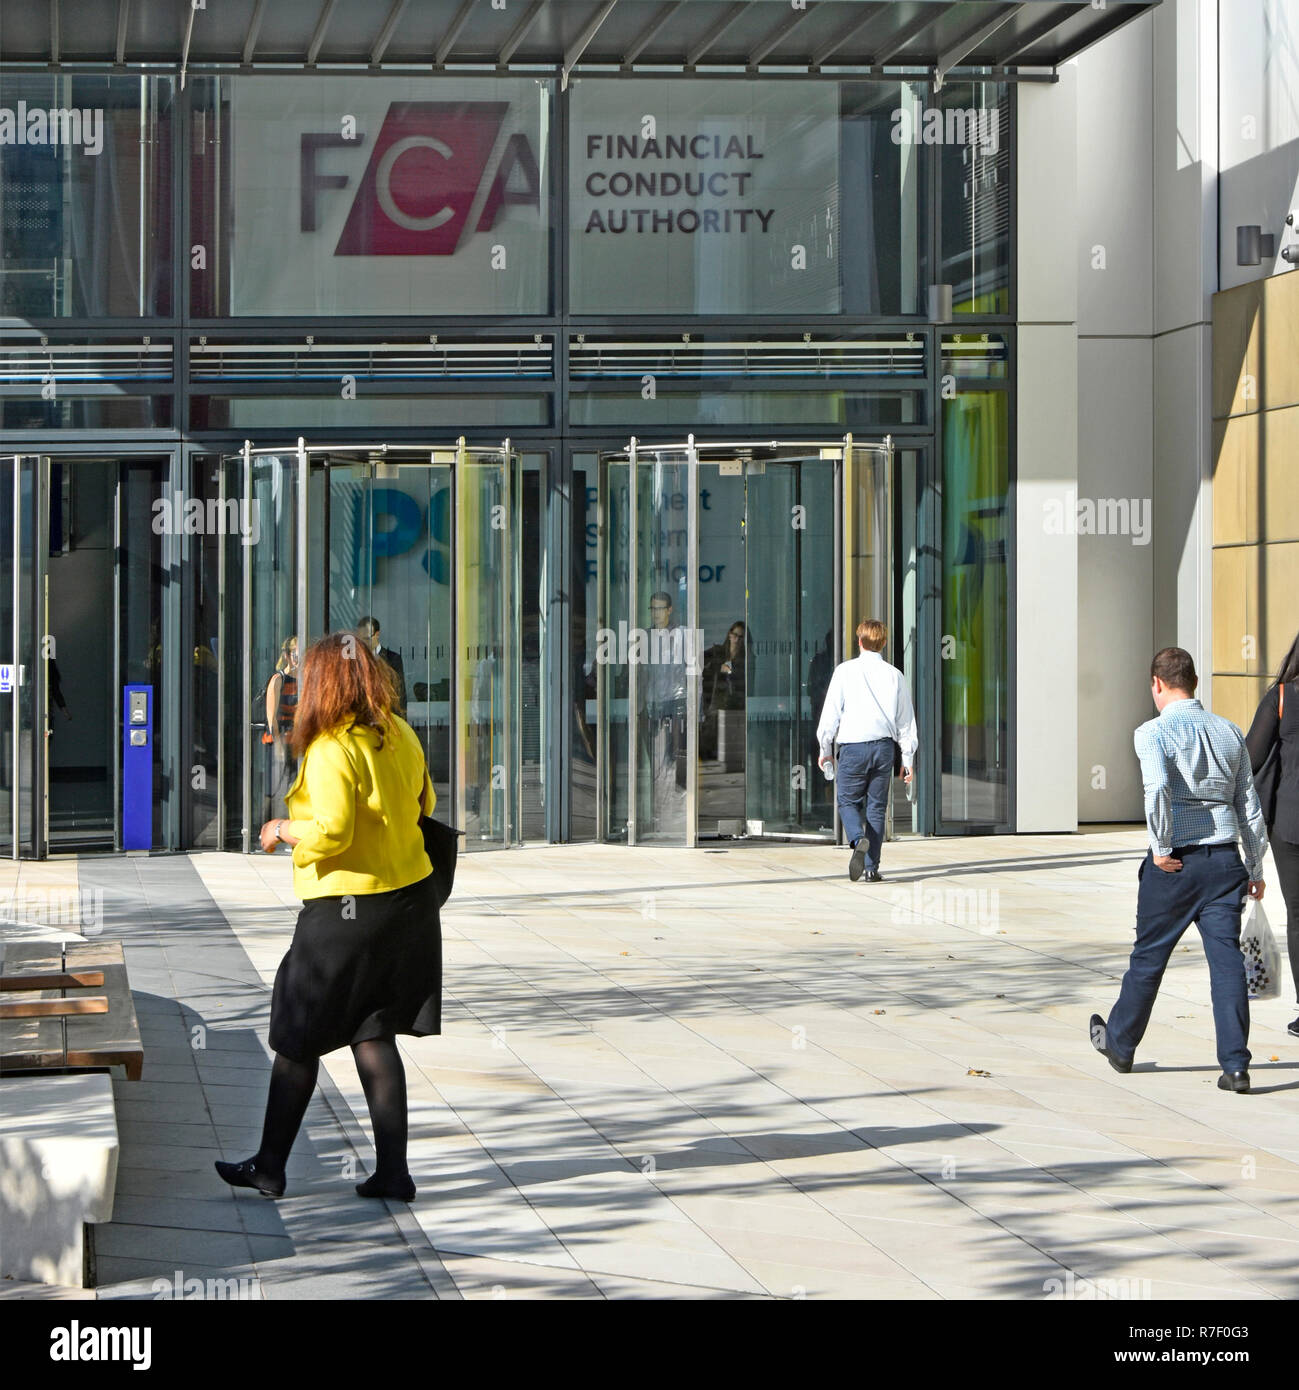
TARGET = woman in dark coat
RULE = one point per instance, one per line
(1276, 724)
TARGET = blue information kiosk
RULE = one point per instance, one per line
(137, 767)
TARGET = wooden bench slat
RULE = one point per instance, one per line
(67, 979)
(54, 1008)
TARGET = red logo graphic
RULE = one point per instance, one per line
(418, 188)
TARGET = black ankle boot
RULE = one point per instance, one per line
(247, 1174)
(399, 1189)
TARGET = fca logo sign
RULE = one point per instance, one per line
(426, 171)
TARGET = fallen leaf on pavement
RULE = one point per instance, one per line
(974, 1071)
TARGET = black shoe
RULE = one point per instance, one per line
(402, 1190)
(1293, 1028)
(246, 1174)
(1234, 1081)
(857, 863)
(1096, 1029)
(874, 876)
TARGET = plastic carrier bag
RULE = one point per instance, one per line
(1262, 959)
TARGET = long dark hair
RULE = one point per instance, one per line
(1289, 666)
(342, 682)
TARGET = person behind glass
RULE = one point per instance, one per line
(365, 962)
(1200, 801)
(868, 709)
(369, 630)
(1276, 722)
(664, 685)
(281, 706)
(724, 672)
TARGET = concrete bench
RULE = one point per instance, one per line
(66, 1019)
(58, 1173)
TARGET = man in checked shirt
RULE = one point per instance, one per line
(1200, 799)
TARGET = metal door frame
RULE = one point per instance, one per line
(28, 775)
(843, 457)
(462, 456)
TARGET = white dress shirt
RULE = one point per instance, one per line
(849, 715)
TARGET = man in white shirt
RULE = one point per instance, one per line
(867, 708)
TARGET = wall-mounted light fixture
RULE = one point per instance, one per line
(1253, 244)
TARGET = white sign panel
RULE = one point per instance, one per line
(379, 196)
(704, 197)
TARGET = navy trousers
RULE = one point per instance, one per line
(864, 775)
(1208, 890)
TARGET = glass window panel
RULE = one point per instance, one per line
(87, 413)
(975, 196)
(697, 409)
(371, 196)
(295, 413)
(738, 200)
(85, 198)
(976, 541)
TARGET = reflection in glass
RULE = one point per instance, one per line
(976, 537)
(791, 593)
(975, 196)
(85, 219)
(273, 655)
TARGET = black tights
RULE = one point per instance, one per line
(384, 1081)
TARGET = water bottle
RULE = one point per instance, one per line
(828, 769)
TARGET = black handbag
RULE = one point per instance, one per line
(1267, 779)
(442, 845)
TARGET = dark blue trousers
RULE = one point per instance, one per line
(1208, 890)
(864, 775)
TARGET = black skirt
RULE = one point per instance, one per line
(360, 967)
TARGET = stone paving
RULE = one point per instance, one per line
(716, 1073)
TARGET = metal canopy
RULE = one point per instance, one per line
(564, 36)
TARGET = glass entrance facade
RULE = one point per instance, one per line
(466, 293)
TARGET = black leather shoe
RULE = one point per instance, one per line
(1293, 1028)
(402, 1190)
(874, 876)
(1234, 1081)
(246, 1174)
(1096, 1030)
(857, 863)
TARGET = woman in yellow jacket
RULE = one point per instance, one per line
(366, 959)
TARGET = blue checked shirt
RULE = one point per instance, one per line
(1199, 789)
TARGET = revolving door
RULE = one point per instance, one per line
(731, 577)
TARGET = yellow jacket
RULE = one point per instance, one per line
(354, 809)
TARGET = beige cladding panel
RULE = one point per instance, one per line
(1234, 462)
(1237, 318)
(1277, 332)
(1236, 697)
(1230, 608)
(1279, 507)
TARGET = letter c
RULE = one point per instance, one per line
(383, 184)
